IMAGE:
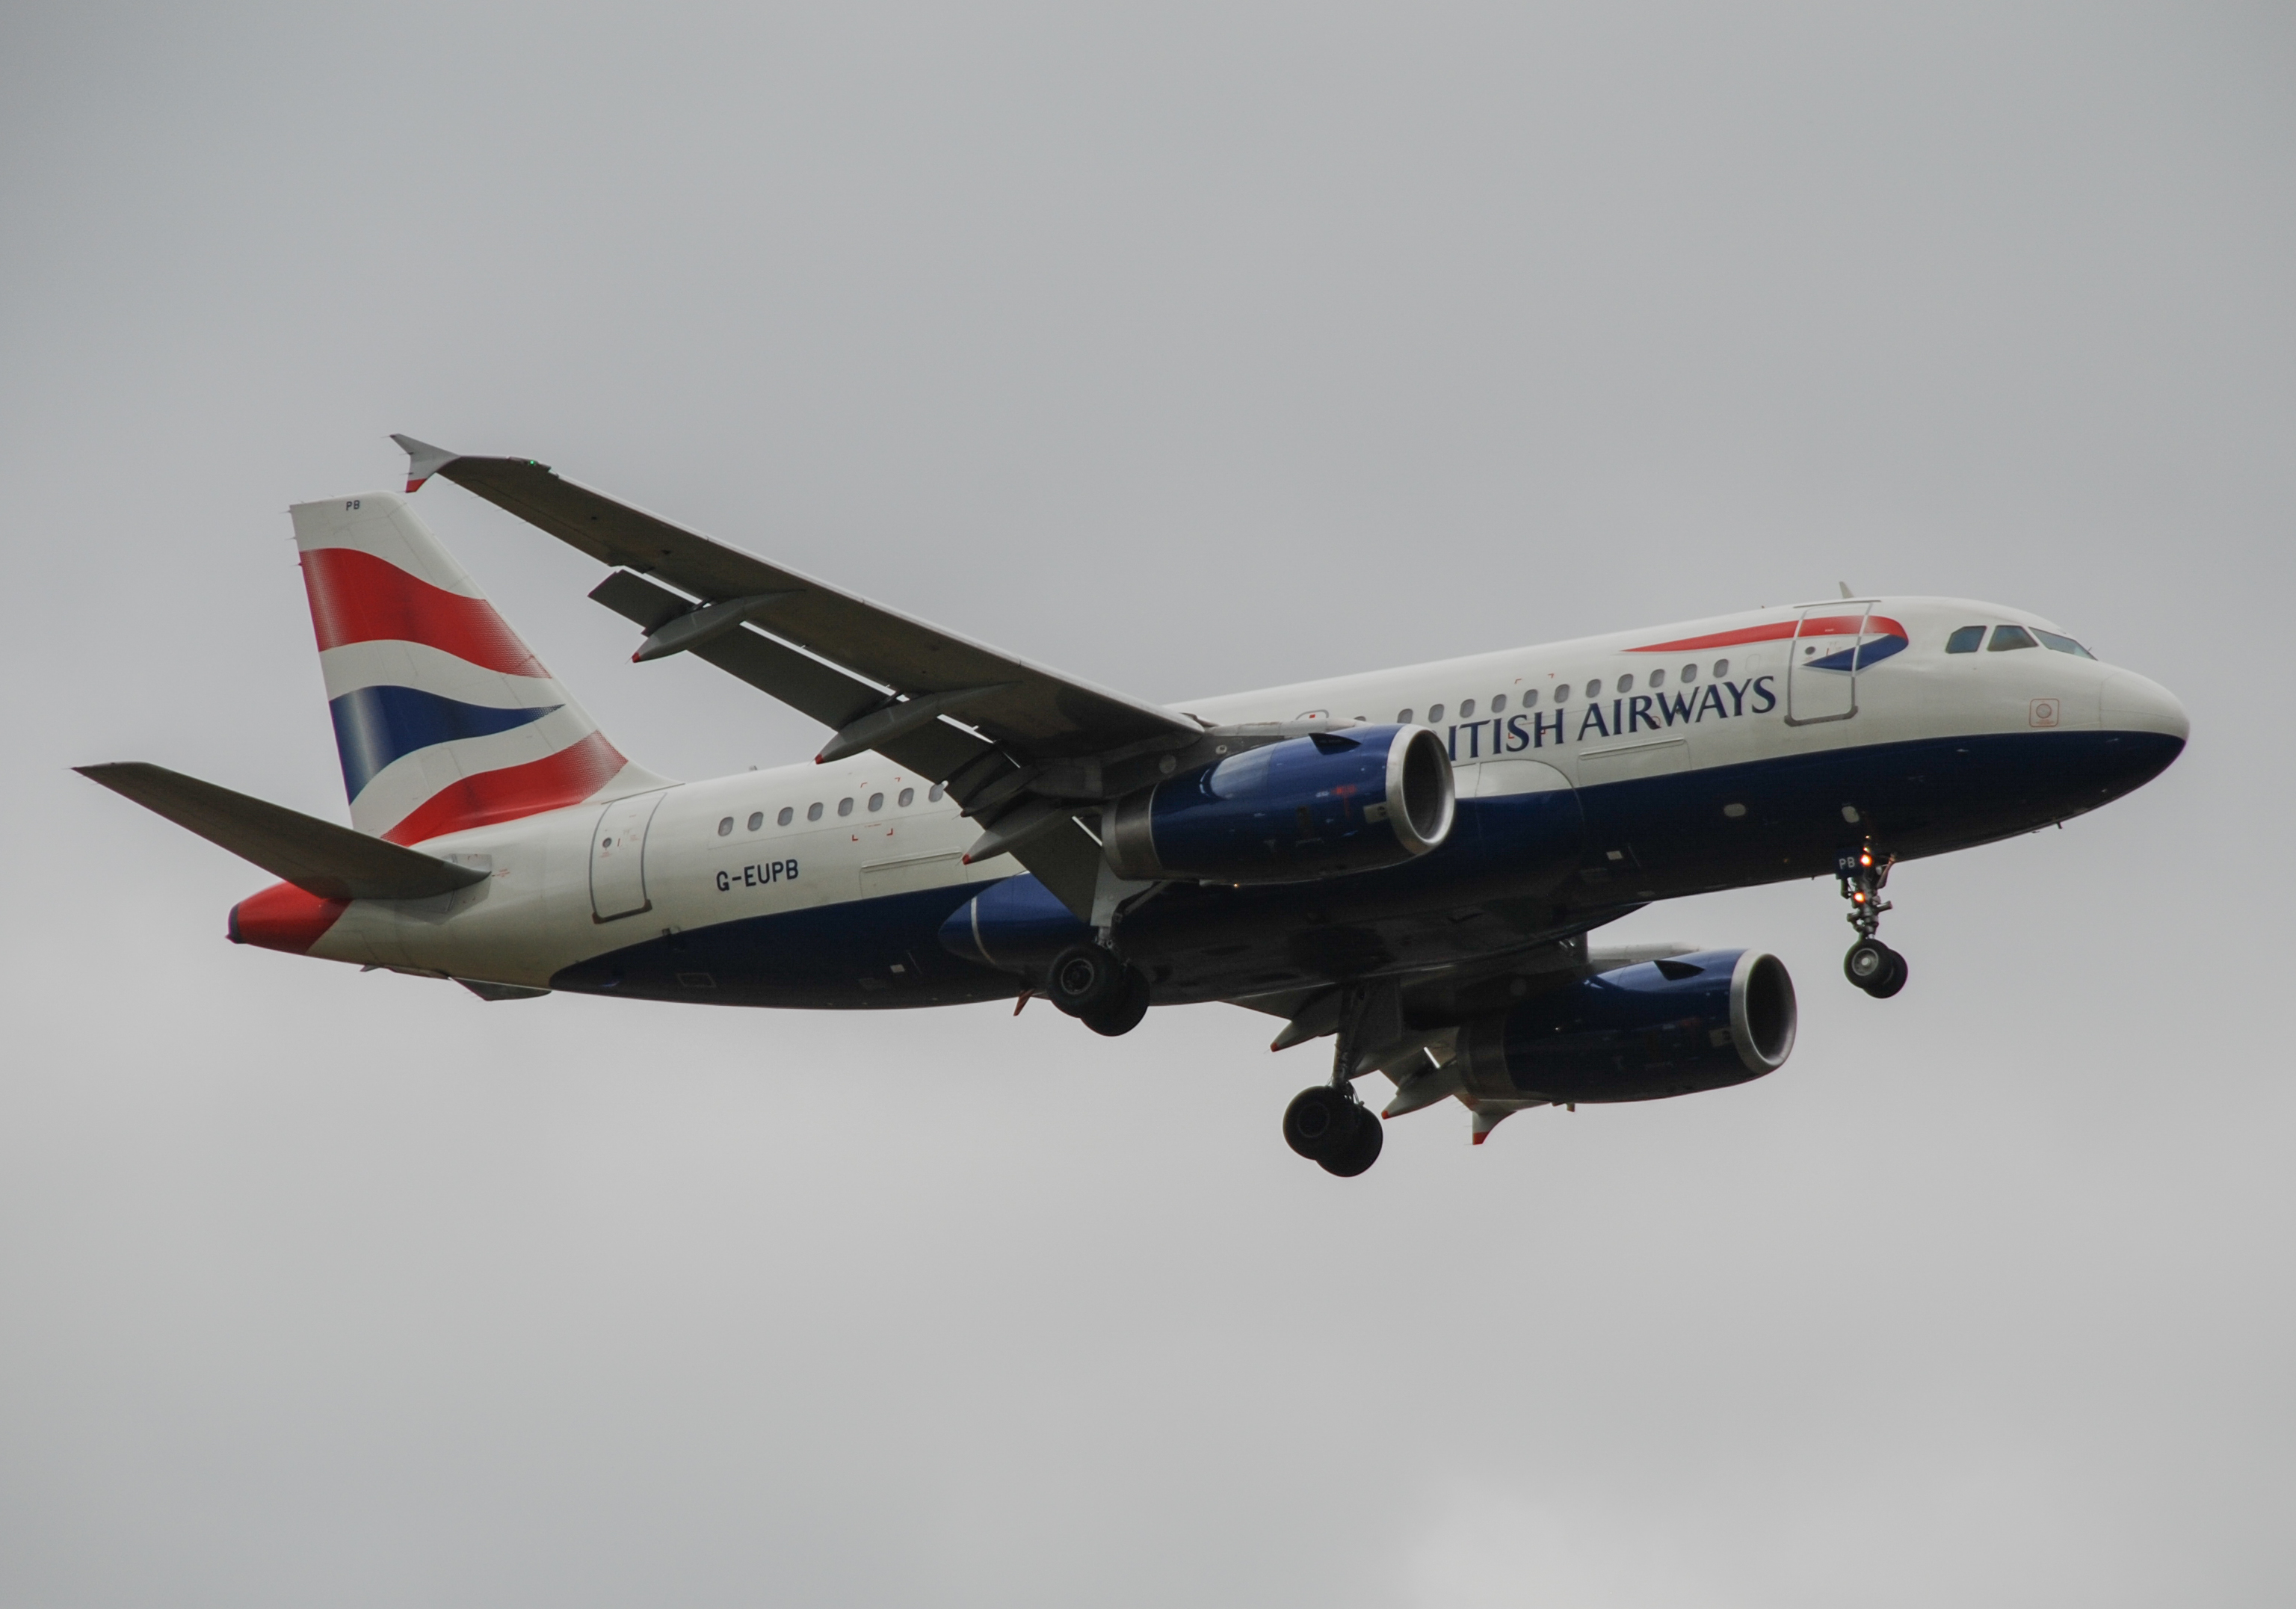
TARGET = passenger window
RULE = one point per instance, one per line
(757, 819)
(876, 803)
(1498, 704)
(1627, 683)
(725, 826)
(1467, 710)
(1562, 693)
(1967, 639)
(2006, 638)
(1435, 712)
(1689, 674)
(813, 812)
(788, 815)
(1530, 698)
(2063, 645)
(845, 806)
(1657, 679)
(1721, 669)
(908, 797)
(1594, 689)
(1403, 718)
(934, 797)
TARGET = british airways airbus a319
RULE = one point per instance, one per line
(1408, 862)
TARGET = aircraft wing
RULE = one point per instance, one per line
(1033, 712)
(1033, 744)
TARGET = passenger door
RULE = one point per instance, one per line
(618, 858)
(1822, 662)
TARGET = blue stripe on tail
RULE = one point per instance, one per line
(375, 725)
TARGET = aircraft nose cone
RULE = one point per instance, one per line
(2130, 704)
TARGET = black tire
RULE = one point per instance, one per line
(1084, 978)
(1363, 1149)
(1867, 963)
(1320, 1123)
(1893, 980)
(1122, 1014)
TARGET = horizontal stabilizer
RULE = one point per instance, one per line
(318, 857)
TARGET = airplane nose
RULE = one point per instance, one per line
(2128, 702)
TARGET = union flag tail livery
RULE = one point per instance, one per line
(444, 720)
(1406, 862)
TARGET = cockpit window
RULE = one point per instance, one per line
(1968, 639)
(2012, 636)
(2063, 645)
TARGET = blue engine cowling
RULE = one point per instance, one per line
(1286, 812)
(1640, 1033)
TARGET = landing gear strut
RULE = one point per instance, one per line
(1871, 965)
(1327, 1124)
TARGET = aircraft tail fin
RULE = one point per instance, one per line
(444, 720)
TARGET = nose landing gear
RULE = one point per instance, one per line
(1871, 965)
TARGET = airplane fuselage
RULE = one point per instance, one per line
(1592, 776)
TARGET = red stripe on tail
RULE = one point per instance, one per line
(567, 778)
(356, 597)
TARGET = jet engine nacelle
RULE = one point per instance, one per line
(1306, 808)
(1642, 1032)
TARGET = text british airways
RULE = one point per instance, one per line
(1621, 716)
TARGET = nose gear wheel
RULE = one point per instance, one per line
(1875, 968)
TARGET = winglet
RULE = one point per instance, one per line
(422, 460)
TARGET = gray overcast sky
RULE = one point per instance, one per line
(1189, 349)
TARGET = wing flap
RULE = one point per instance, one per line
(318, 857)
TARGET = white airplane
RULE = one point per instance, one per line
(1407, 861)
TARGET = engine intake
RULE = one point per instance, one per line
(1306, 808)
(1641, 1033)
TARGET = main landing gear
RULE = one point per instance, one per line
(1094, 985)
(1332, 1128)
(1327, 1124)
(1871, 965)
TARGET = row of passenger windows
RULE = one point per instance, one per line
(1562, 693)
(813, 812)
(1967, 639)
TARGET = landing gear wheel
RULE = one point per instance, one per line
(1362, 1151)
(1898, 972)
(1320, 1123)
(1866, 964)
(1122, 1014)
(1875, 968)
(1083, 979)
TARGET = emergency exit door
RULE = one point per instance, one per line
(1822, 666)
(618, 858)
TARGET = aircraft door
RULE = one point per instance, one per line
(1822, 662)
(618, 858)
